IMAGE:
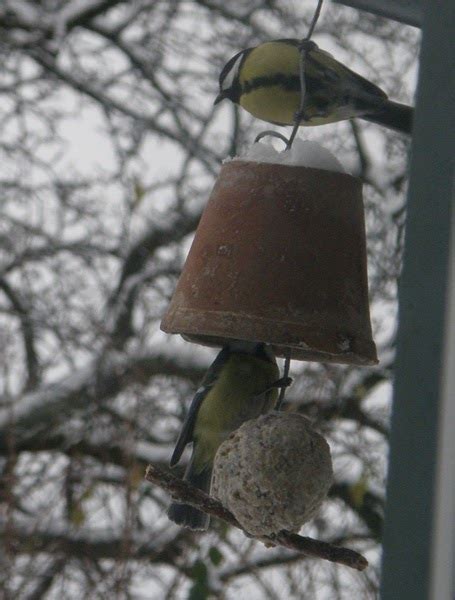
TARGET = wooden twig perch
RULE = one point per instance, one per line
(184, 492)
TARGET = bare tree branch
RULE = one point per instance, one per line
(182, 491)
(43, 408)
(33, 368)
(162, 233)
(46, 579)
(163, 549)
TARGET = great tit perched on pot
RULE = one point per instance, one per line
(265, 81)
(241, 384)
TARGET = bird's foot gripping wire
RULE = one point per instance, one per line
(283, 382)
(299, 117)
(307, 45)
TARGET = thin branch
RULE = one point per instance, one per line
(81, 248)
(246, 567)
(81, 15)
(364, 158)
(95, 545)
(123, 299)
(370, 510)
(102, 379)
(97, 93)
(28, 333)
(348, 407)
(182, 491)
(72, 15)
(46, 579)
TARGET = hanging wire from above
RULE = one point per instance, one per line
(317, 12)
(287, 366)
(305, 46)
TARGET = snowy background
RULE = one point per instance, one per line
(109, 146)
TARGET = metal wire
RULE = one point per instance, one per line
(305, 46)
(315, 19)
(287, 364)
(272, 133)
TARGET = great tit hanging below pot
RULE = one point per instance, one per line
(265, 81)
(241, 384)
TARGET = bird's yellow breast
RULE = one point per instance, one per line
(233, 400)
(271, 103)
(270, 59)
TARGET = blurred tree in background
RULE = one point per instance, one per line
(109, 145)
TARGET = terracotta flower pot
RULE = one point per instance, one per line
(280, 257)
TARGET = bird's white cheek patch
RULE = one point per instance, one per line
(230, 76)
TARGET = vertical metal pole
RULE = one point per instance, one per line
(422, 454)
(443, 554)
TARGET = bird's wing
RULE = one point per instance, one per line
(327, 69)
(186, 434)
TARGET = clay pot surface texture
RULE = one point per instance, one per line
(279, 256)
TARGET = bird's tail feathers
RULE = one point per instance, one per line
(186, 515)
(394, 116)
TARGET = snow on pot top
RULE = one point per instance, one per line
(303, 153)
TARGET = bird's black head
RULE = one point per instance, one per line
(229, 79)
(258, 349)
(264, 352)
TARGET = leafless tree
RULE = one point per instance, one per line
(109, 145)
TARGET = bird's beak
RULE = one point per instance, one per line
(221, 96)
